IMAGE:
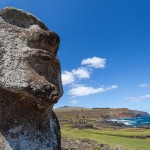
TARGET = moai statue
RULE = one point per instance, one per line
(83, 119)
(78, 121)
(73, 120)
(30, 83)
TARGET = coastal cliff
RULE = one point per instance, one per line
(67, 112)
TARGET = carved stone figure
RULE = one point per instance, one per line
(30, 83)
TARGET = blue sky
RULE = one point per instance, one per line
(104, 50)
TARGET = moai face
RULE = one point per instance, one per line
(29, 65)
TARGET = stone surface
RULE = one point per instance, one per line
(30, 83)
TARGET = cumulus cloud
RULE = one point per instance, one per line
(144, 85)
(74, 102)
(73, 78)
(140, 98)
(81, 72)
(94, 62)
(67, 77)
(85, 90)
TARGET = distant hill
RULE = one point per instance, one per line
(140, 113)
(68, 112)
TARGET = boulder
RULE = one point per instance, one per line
(30, 83)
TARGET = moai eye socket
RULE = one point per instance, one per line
(45, 40)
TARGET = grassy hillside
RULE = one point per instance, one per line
(120, 139)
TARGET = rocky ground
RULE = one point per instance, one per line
(85, 144)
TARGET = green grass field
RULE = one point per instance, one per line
(131, 141)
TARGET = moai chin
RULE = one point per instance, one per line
(30, 83)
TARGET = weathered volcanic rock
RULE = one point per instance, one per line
(30, 83)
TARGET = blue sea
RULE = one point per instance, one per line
(134, 122)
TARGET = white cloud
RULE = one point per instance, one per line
(73, 76)
(85, 90)
(140, 98)
(94, 62)
(67, 77)
(74, 102)
(144, 85)
(81, 72)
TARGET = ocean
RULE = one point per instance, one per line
(134, 122)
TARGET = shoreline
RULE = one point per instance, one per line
(140, 122)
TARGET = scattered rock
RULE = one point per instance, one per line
(82, 126)
(83, 144)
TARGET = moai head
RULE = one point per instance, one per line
(28, 57)
(30, 77)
